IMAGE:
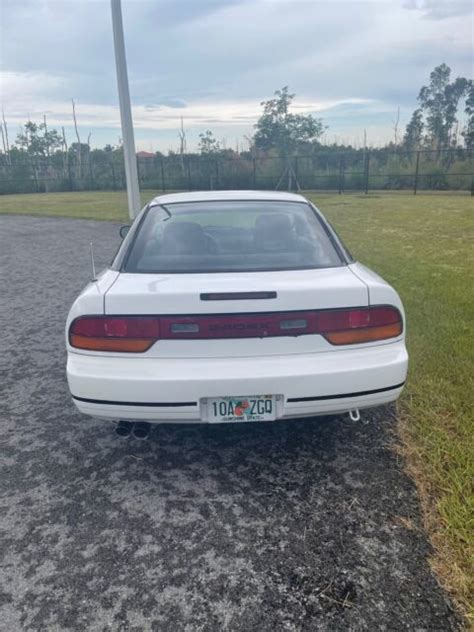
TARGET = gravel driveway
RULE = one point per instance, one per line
(304, 525)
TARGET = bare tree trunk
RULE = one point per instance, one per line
(455, 137)
(3, 142)
(79, 153)
(395, 127)
(89, 157)
(182, 145)
(7, 144)
(65, 151)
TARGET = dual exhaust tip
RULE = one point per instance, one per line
(137, 429)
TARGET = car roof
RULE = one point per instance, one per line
(227, 196)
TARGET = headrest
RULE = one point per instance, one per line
(184, 238)
(274, 232)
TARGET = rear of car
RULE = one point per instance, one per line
(237, 306)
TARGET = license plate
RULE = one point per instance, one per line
(248, 408)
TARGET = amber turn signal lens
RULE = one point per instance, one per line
(129, 345)
(367, 334)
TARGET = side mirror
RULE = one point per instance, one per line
(123, 230)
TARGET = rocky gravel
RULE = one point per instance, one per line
(296, 525)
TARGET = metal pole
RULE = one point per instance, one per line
(114, 182)
(69, 170)
(91, 172)
(131, 174)
(367, 163)
(188, 169)
(417, 167)
(162, 167)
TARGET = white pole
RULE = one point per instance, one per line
(131, 174)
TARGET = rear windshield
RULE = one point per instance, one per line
(231, 236)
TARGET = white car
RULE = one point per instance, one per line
(235, 306)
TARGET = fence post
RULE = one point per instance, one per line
(254, 167)
(91, 173)
(297, 185)
(188, 170)
(211, 176)
(162, 168)
(217, 173)
(367, 164)
(341, 175)
(472, 187)
(69, 172)
(138, 169)
(114, 180)
(417, 167)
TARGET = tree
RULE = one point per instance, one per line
(37, 140)
(468, 131)
(414, 131)
(278, 128)
(454, 93)
(208, 144)
(439, 101)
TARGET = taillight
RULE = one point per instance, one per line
(353, 326)
(139, 333)
(110, 333)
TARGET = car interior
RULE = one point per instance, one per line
(275, 241)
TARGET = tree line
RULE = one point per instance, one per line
(443, 124)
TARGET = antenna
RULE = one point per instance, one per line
(94, 276)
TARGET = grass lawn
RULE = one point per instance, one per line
(107, 205)
(423, 246)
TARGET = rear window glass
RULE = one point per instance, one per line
(230, 236)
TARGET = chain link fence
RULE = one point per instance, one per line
(324, 170)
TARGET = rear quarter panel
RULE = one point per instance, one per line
(91, 299)
(380, 292)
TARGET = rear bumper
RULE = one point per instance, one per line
(169, 390)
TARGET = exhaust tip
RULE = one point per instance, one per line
(124, 429)
(141, 430)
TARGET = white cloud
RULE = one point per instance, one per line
(213, 61)
(26, 100)
(440, 9)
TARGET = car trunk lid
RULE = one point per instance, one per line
(235, 303)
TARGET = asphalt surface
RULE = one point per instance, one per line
(303, 525)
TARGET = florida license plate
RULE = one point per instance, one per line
(248, 408)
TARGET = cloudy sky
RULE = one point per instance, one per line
(212, 61)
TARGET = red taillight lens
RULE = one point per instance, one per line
(353, 326)
(139, 333)
(110, 333)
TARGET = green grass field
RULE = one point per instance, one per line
(423, 245)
